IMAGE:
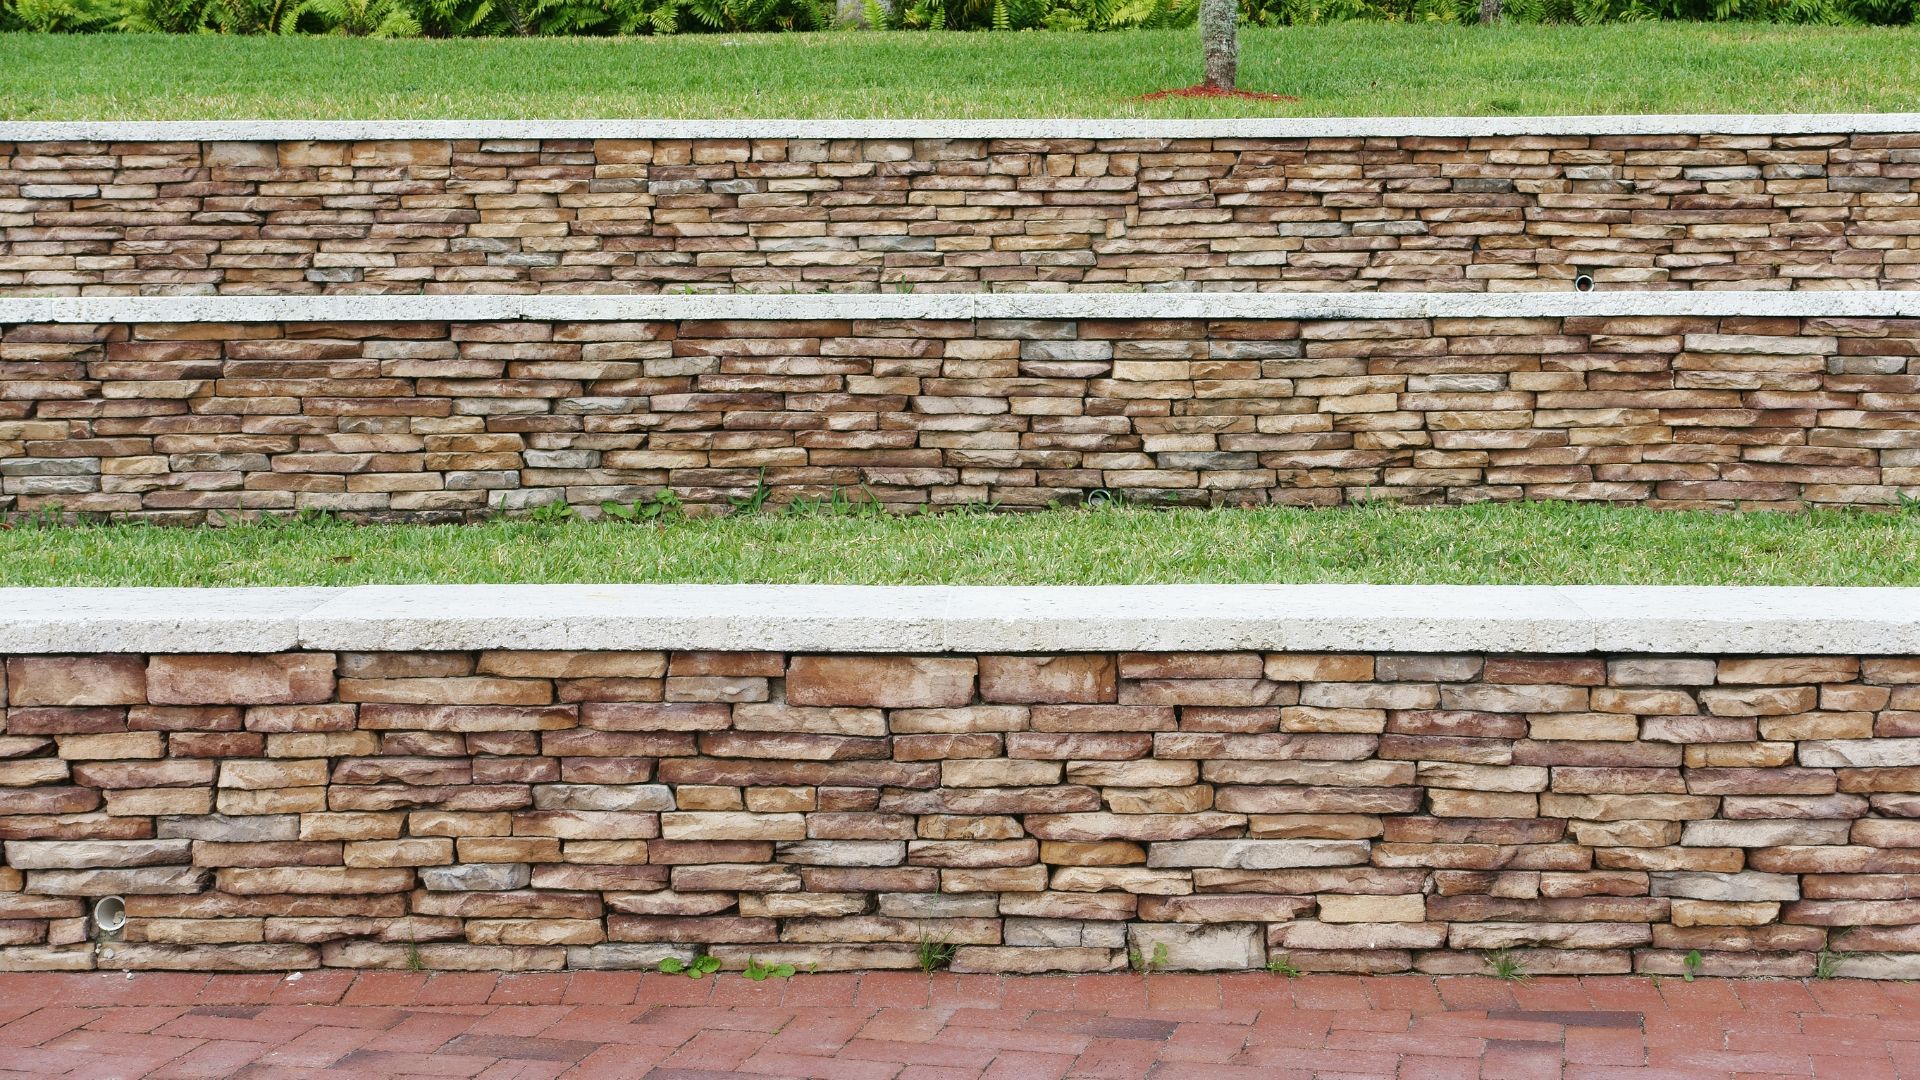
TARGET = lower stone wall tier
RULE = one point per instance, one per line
(1332, 812)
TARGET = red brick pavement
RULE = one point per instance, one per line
(612, 1025)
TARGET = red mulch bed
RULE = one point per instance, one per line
(1202, 90)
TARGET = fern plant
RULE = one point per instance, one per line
(548, 18)
(62, 16)
(363, 18)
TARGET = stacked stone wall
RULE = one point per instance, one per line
(436, 420)
(1349, 811)
(510, 211)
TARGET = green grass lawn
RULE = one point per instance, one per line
(1509, 544)
(1339, 70)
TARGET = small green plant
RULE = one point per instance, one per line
(1690, 965)
(1281, 965)
(935, 954)
(50, 516)
(414, 960)
(838, 504)
(663, 505)
(756, 501)
(701, 966)
(760, 972)
(1827, 963)
(1148, 965)
(553, 513)
(1504, 965)
(313, 517)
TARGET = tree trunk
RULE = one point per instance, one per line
(1220, 41)
(1489, 12)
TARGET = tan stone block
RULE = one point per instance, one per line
(1661, 671)
(1225, 908)
(1136, 880)
(1178, 665)
(144, 802)
(271, 801)
(1583, 727)
(1336, 908)
(779, 800)
(709, 797)
(190, 772)
(999, 772)
(977, 718)
(473, 690)
(820, 721)
(997, 960)
(1541, 670)
(353, 826)
(1319, 667)
(1763, 701)
(1103, 718)
(1020, 879)
(1107, 853)
(405, 665)
(905, 682)
(1159, 800)
(1305, 718)
(228, 679)
(1482, 804)
(1723, 913)
(1817, 725)
(573, 665)
(754, 664)
(273, 774)
(732, 826)
(1080, 678)
(534, 931)
(1313, 826)
(412, 851)
(262, 881)
(76, 680)
(1787, 670)
(122, 745)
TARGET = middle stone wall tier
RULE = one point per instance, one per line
(434, 420)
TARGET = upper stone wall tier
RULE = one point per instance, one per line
(1390, 204)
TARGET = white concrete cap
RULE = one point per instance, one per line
(1304, 618)
(1699, 618)
(154, 620)
(838, 618)
(1187, 305)
(1337, 127)
(851, 618)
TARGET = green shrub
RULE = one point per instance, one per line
(550, 18)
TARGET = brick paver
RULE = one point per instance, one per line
(612, 1025)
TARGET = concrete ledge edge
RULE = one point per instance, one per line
(958, 306)
(1704, 620)
(1010, 128)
